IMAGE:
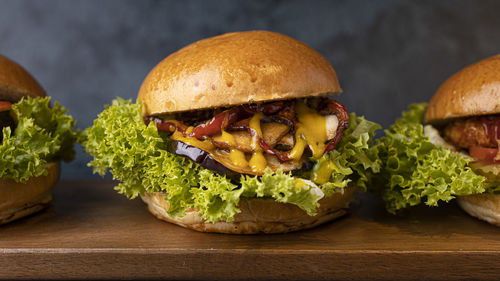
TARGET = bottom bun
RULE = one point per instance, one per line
(257, 215)
(484, 206)
(21, 199)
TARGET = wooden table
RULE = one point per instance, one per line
(91, 232)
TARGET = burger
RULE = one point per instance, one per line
(456, 154)
(468, 106)
(35, 137)
(236, 134)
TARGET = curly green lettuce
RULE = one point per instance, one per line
(136, 155)
(416, 171)
(355, 159)
(43, 134)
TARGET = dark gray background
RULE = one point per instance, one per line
(387, 53)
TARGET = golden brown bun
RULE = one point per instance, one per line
(21, 199)
(475, 90)
(257, 215)
(484, 206)
(237, 68)
(16, 82)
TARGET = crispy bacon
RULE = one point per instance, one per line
(331, 106)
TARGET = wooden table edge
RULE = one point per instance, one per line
(77, 263)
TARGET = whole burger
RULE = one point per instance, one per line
(456, 154)
(35, 137)
(466, 108)
(236, 134)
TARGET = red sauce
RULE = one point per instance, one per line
(5, 106)
(491, 126)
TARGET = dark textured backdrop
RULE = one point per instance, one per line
(387, 53)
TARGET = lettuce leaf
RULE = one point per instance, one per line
(492, 174)
(357, 152)
(136, 155)
(43, 134)
(416, 171)
(355, 160)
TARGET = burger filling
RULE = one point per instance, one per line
(206, 160)
(422, 164)
(6, 119)
(480, 136)
(34, 133)
(247, 139)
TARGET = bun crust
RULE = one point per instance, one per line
(237, 68)
(21, 199)
(16, 82)
(475, 90)
(257, 215)
(484, 206)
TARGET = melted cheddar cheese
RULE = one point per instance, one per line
(258, 162)
(300, 145)
(205, 144)
(311, 131)
(311, 127)
(322, 172)
(237, 156)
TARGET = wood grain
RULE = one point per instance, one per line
(90, 232)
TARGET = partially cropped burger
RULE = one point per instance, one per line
(34, 138)
(236, 134)
(466, 108)
(456, 155)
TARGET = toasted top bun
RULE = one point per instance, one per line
(236, 68)
(475, 90)
(16, 82)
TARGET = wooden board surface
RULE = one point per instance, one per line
(91, 232)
